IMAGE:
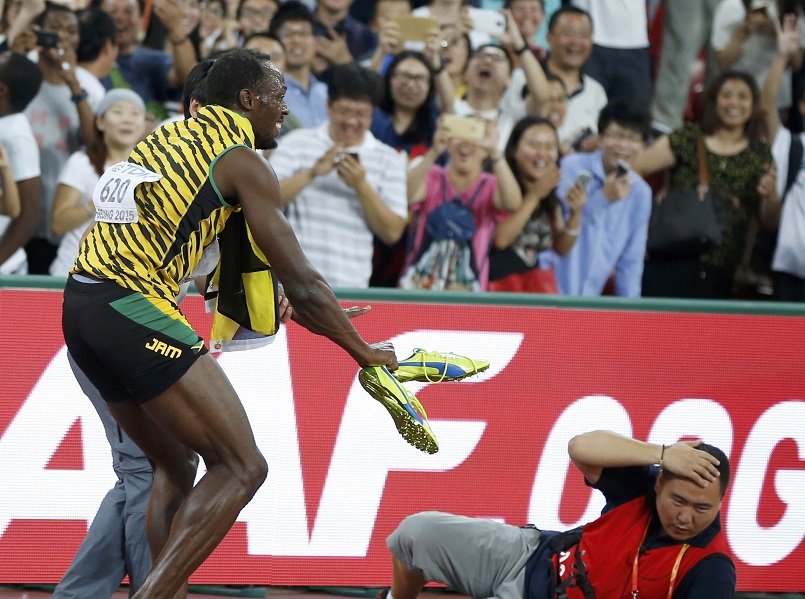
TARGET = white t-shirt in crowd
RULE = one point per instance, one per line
(79, 174)
(327, 215)
(617, 23)
(789, 257)
(583, 108)
(23, 153)
(92, 85)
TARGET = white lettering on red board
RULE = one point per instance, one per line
(367, 448)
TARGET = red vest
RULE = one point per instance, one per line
(607, 549)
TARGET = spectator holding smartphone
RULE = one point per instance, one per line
(61, 119)
(455, 210)
(336, 201)
(611, 240)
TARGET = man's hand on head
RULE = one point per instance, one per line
(683, 459)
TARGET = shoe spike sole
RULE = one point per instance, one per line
(409, 428)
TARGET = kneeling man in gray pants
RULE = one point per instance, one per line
(659, 534)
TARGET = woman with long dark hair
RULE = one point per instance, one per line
(539, 224)
(740, 170)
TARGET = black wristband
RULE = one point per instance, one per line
(439, 70)
(520, 50)
(83, 95)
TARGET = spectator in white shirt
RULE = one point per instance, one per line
(570, 38)
(340, 185)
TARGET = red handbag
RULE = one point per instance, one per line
(536, 280)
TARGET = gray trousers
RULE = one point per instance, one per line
(685, 32)
(115, 544)
(479, 558)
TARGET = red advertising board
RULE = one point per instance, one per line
(341, 478)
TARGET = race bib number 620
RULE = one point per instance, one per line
(114, 194)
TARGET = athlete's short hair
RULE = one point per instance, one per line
(232, 72)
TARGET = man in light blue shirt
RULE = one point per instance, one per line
(293, 25)
(614, 224)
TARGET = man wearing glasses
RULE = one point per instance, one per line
(340, 185)
(611, 243)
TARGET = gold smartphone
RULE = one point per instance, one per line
(465, 127)
(414, 29)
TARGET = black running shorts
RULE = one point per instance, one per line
(130, 346)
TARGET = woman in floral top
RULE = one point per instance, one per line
(539, 224)
(740, 169)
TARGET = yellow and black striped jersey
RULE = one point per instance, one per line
(178, 216)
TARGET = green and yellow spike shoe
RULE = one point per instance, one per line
(408, 414)
(433, 367)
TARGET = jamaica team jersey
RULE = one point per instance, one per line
(178, 216)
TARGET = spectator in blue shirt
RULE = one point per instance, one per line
(614, 224)
(306, 97)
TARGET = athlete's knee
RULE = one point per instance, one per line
(252, 473)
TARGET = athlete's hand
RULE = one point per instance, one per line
(354, 311)
(381, 354)
(683, 459)
(284, 308)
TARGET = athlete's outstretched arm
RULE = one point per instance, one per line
(592, 452)
(243, 174)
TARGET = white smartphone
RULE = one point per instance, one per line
(487, 21)
(584, 178)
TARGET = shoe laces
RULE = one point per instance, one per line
(446, 357)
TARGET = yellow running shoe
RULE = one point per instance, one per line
(433, 367)
(408, 414)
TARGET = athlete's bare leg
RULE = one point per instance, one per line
(174, 473)
(405, 583)
(201, 412)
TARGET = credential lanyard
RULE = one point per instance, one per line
(674, 571)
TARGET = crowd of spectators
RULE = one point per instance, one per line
(430, 145)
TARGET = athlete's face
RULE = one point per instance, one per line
(269, 109)
(686, 509)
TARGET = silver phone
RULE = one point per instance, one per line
(584, 178)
